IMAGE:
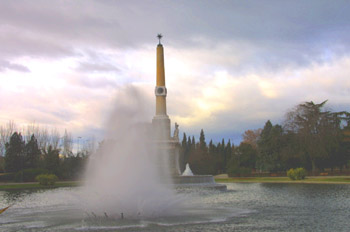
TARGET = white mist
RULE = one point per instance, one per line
(123, 178)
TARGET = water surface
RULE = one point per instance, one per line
(244, 207)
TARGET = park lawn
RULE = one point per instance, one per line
(20, 186)
(307, 180)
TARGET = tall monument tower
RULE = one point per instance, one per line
(168, 146)
(161, 121)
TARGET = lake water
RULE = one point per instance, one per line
(244, 207)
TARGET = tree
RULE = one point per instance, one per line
(32, 129)
(344, 150)
(200, 161)
(72, 167)
(184, 152)
(5, 133)
(319, 130)
(184, 141)
(2, 164)
(189, 148)
(54, 138)
(42, 138)
(270, 145)
(293, 154)
(51, 160)
(193, 144)
(88, 147)
(32, 153)
(14, 155)
(243, 161)
(228, 151)
(252, 137)
(222, 152)
(67, 144)
(202, 143)
(213, 153)
(247, 155)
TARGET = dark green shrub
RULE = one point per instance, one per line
(296, 174)
(47, 179)
(28, 175)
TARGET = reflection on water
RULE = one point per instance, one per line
(244, 207)
(12, 196)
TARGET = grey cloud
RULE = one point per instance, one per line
(16, 43)
(262, 34)
(4, 65)
(96, 62)
(278, 32)
(96, 67)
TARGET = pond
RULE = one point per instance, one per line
(243, 207)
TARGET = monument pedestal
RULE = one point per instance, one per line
(161, 128)
(169, 152)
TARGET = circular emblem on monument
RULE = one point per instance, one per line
(160, 91)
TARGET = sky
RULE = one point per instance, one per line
(230, 65)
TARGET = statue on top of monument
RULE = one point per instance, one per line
(159, 36)
(176, 132)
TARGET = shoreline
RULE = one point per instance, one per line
(4, 186)
(286, 180)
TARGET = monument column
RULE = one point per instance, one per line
(161, 121)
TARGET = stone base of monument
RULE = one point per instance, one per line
(197, 181)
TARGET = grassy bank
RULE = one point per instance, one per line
(307, 180)
(33, 185)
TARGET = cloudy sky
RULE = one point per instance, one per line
(230, 65)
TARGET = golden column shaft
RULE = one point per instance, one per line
(160, 105)
(160, 66)
(160, 100)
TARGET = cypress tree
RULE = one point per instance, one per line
(14, 155)
(228, 150)
(202, 144)
(184, 142)
(212, 152)
(32, 153)
(223, 155)
(184, 152)
(211, 148)
(193, 144)
(189, 141)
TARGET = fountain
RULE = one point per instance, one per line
(133, 182)
(123, 178)
(138, 165)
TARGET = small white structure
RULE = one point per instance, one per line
(187, 171)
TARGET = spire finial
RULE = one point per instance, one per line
(159, 36)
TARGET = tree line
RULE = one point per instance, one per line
(40, 152)
(310, 137)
